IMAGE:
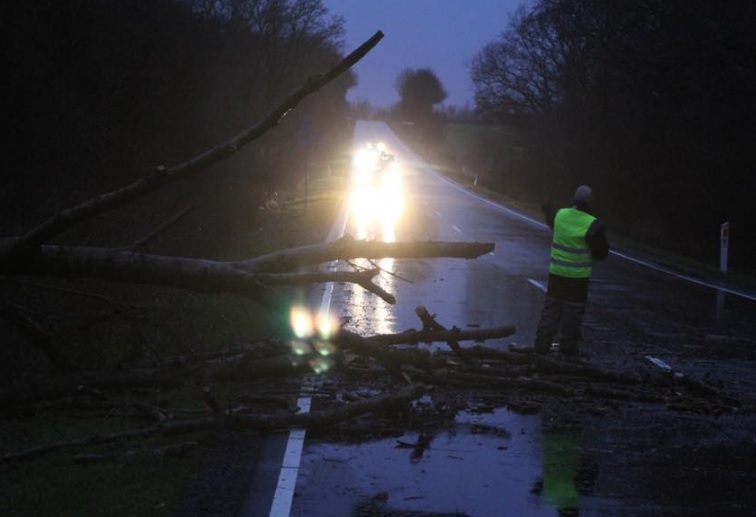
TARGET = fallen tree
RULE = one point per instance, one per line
(209, 276)
(35, 255)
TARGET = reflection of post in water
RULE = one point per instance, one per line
(561, 466)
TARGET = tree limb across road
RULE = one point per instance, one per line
(210, 276)
(347, 248)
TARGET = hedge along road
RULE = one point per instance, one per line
(635, 311)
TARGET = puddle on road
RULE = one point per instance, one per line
(487, 465)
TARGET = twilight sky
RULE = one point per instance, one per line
(443, 35)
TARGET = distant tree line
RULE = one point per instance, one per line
(652, 102)
(98, 92)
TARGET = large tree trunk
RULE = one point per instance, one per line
(250, 278)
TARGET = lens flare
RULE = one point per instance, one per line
(300, 347)
(324, 348)
(327, 325)
(302, 323)
(320, 365)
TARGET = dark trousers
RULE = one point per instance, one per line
(556, 313)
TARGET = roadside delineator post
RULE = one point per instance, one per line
(724, 238)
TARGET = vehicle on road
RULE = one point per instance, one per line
(376, 198)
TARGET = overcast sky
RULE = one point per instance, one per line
(443, 35)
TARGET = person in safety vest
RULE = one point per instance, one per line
(579, 239)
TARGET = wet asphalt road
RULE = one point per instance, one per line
(635, 310)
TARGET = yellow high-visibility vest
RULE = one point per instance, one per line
(570, 253)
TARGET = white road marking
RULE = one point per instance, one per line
(439, 215)
(287, 478)
(704, 283)
(292, 458)
(539, 285)
(456, 229)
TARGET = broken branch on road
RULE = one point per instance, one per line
(416, 369)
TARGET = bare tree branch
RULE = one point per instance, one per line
(163, 175)
(160, 229)
(347, 247)
(259, 422)
(209, 276)
(75, 292)
(247, 365)
(172, 450)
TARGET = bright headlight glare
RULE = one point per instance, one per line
(327, 325)
(319, 364)
(364, 159)
(324, 348)
(301, 322)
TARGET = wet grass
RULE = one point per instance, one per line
(145, 485)
(54, 485)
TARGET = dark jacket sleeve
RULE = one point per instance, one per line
(548, 213)
(596, 239)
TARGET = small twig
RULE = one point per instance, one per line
(95, 394)
(154, 413)
(147, 345)
(160, 229)
(76, 292)
(36, 452)
(39, 337)
(260, 422)
(430, 324)
(374, 265)
(173, 449)
(210, 400)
